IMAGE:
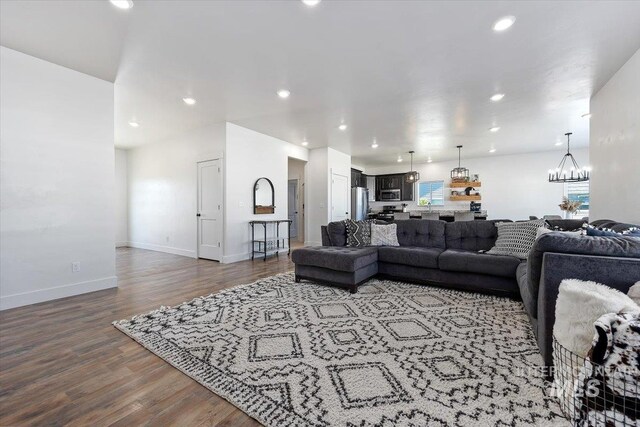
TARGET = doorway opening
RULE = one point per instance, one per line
(295, 199)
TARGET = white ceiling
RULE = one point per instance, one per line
(414, 75)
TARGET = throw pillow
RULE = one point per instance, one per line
(581, 303)
(602, 232)
(384, 235)
(358, 233)
(516, 238)
(543, 230)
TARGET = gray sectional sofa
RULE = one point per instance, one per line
(449, 254)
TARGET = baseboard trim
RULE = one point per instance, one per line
(42, 295)
(159, 248)
(228, 259)
(312, 243)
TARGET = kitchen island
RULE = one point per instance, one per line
(445, 214)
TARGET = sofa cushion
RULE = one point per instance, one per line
(337, 233)
(525, 290)
(422, 233)
(471, 235)
(410, 255)
(475, 262)
(335, 257)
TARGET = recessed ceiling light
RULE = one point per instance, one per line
(283, 93)
(342, 126)
(311, 3)
(587, 115)
(122, 4)
(399, 159)
(429, 160)
(305, 143)
(497, 97)
(189, 101)
(558, 143)
(134, 124)
(504, 23)
(494, 129)
(375, 144)
(493, 150)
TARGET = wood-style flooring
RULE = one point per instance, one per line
(63, 363)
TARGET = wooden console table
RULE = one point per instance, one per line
(270, 245)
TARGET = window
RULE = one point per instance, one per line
(431, 192)
(579, 191)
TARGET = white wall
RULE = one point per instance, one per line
(56, 181)
(615, 146)
(162, 189)
(296, 171)
(121, 198)
(322, 163)
(250, 155)
(513, 186)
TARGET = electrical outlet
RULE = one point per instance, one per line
(75, 267)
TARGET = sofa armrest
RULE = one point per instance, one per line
(615, 272)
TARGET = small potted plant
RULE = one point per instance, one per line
(569, 207)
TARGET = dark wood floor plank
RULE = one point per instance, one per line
(63, 363)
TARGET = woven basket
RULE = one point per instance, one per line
(592, 395)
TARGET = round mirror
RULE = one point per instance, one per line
(263, 197)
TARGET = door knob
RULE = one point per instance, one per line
(198, 214)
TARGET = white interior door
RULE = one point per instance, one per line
(339, 197)
(210, 210)
(293, 206)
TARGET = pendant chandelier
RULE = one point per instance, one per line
(411, 176)
(568, 171)
(459, 173)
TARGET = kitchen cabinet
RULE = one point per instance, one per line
(393, 182)
(388, 182)
(358, 179)
(407, 190)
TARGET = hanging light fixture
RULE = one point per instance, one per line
(411, 176)
(568, 171)
(459, 173)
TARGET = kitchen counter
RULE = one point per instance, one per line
(445, 214)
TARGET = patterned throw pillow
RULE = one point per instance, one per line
(384, 235)
(606, 232)
(516, 238)
(358, 232)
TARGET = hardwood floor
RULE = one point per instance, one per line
(63, 363)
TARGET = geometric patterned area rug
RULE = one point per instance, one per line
(394, 354)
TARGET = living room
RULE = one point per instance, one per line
(317, 212)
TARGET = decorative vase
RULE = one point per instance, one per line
(567, 215)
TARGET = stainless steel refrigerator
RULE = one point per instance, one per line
(359, 203)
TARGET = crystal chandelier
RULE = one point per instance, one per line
(411, 176)
(459, 173)
(568, 171)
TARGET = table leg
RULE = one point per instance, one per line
(277, 239)
(253, 244)
(289, 237)
(265, 242)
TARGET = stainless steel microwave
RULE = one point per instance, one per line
(390, 195)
